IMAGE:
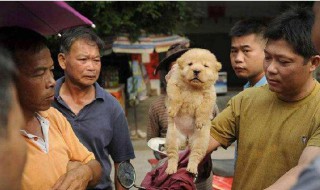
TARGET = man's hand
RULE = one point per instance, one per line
(76, 178)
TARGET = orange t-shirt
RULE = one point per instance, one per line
(42, 169)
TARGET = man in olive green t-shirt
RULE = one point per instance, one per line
(278, 125)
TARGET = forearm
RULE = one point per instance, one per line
(79, 175)
(96, 170)
(291, 177)
(117, 184)
(288, 179)
(213, 145)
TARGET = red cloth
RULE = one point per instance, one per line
(182, 180)
(222, 183)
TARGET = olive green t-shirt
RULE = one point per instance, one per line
(271, 134)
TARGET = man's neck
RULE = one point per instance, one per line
(300, 93)
(76, 97)
(77, 92)
(253, 81)
(32, 125)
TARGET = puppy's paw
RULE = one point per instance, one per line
(199, 125)
(172, 168)
(192, 167)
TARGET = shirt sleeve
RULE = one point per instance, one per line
(120, 147)
(223, 126)
(78, 152)
(314, 139)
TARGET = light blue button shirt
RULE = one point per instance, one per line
(261, 82)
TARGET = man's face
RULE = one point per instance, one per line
(35, 82)
(316, 26)
(13, 148)
(247, 56)
(286, 71)
(82, 64)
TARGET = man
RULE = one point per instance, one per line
(246, 55)
(96, 116)
(309, 177)
(12, 146)
(50, 139)
(277, 125)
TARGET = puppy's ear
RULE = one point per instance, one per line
(218, 66)
(180, 62)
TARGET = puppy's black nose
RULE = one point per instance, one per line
(196, 72)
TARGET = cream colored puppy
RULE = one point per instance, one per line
(190, 104)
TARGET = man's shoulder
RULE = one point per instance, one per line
(52, 114)
(159, 101)
(256, 91)
(109, 101)
(55, 118)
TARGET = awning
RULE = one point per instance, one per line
(158, 43)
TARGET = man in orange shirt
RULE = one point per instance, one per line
(51, 141)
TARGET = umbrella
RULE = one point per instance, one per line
(158, 43)
(47, 18)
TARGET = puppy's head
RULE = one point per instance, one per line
(199, 68)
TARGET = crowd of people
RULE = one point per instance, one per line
(63, 134)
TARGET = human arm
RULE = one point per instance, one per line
(120, 147)
(85, 170)
(309, 177)
(290, 178)
(79, 176)
(213, 145)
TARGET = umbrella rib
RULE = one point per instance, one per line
(38, 17)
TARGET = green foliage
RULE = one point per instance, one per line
(135, 18)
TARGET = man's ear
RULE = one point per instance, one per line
(62, 60)
(315, 62)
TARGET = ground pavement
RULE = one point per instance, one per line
(143, 153)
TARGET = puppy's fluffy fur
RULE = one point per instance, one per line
(190, 104)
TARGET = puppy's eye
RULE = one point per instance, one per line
(190, 64)
(205, 65)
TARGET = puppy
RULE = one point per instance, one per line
(190, 103)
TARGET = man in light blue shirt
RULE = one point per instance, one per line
(247, 52)
(261, 82)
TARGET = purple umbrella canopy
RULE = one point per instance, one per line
(47, 17)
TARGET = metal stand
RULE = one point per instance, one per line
(135, 135)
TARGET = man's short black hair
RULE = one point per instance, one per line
(18, 39)
(248, 26)
(71, 35)
(294, 26)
